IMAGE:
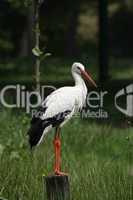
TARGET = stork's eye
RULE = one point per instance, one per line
(78, 68)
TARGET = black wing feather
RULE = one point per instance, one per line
(38, 126)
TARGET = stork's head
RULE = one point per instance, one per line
(78, 68)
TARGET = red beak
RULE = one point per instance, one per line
(88, 77)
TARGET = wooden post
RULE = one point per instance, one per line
(57, 187)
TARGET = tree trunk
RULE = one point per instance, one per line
(30, 30)
(24, 44)
(27, 36)
(37, 43)
(103, 41)
(71, 49)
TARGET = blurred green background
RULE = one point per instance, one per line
(97, 153)
(97, 33)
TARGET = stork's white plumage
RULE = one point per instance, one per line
(59, 107)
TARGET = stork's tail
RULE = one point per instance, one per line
(36, 132)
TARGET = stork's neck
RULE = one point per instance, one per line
(80, 84)
(78, 79)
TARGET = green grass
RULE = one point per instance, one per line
(98, 158)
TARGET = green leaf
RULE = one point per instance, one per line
(37, 52)
(45, 56)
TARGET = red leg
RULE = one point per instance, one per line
(57, 148)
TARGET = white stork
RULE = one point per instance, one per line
(57, 109)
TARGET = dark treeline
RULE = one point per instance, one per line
(60, 22)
